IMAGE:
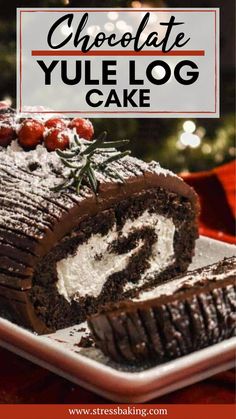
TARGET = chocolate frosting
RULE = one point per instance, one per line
(33, 218)
(169, 326)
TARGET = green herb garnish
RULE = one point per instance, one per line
(83, 158)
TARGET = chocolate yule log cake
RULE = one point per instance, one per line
(190, 312)
(85, 224)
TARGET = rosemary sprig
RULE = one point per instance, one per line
(85, 158)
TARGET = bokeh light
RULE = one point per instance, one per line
(121, 25)
(189, 139)
(65, 30)
(113, 15)
(206, 149)
(189, 126)
(93, 30)
(109, 26)
(136, 4)
(7, 100)
(159, 72)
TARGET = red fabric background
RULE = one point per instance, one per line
(216, 190)
(24, 382)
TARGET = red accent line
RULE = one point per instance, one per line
(20, 62)
(111, 112)
(215, 69)
(65, 53)
(118, 10)
(151, 9)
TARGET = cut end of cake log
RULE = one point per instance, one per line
(186, 314)
(111, 255)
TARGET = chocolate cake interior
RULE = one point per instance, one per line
(140, 241)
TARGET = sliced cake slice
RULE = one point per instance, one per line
(188, 313)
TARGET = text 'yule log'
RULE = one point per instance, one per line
(133, 97)
(83, 72)
(108, 76)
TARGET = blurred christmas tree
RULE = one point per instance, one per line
(178, 144)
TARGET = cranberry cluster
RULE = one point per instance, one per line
(53, 133)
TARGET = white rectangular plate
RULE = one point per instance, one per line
(89, 368)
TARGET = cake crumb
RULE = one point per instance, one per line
(82, 329)
(85, 342)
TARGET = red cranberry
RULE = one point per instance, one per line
(56, 139)
(30, 133)
(55, 123)
(83, 127)
(7, 134)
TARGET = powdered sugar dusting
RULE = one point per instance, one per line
(43, 166)
(156, 168)
(38, 112)
(32, 175)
